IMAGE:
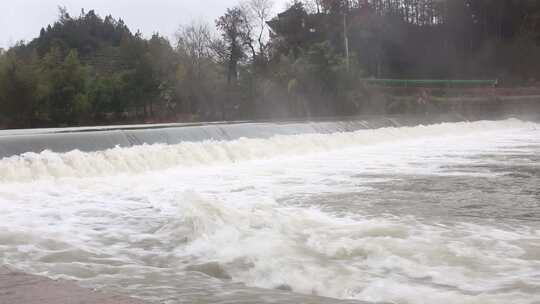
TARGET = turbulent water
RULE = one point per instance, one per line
(446, 213)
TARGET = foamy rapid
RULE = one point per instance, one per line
(400, 260)
(33, 166)
(431, 214)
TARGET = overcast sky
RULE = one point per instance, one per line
(22, 19)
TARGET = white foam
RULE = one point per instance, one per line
(230, 203)
(49, 165)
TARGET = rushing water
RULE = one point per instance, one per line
(446, 213)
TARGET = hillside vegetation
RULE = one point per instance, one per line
(309, 60)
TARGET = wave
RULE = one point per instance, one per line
(309, 251)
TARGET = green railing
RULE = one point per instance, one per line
(431, 83)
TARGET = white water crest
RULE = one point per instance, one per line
(445, 213)
(34, 166)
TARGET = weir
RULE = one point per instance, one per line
(90, 139)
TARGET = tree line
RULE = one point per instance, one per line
(308, 60)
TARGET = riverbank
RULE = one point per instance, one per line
(20, 288)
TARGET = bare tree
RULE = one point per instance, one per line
(195, 76)
(257, 13)
(313, 6)
(194, 43)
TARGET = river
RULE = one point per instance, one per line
(446, 213)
